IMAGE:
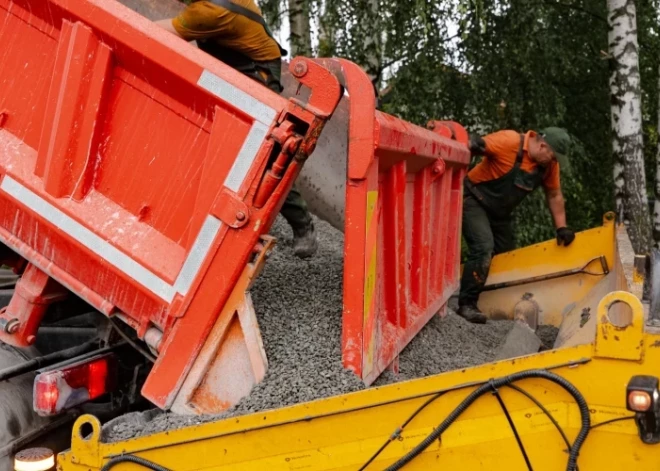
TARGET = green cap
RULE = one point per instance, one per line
(560, 142)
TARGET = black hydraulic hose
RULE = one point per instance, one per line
(513, 429)
(546, 412)
(488, 387)
(397, 432)
(46, 360)
(133, 459)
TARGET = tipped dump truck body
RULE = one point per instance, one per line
(142, 175)
(137, 173)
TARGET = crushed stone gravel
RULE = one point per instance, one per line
(299, 306)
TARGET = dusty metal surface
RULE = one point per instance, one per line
(556, 297)
(579, 324)
(322, 180)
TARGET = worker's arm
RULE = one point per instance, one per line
(565, 235)
(495, 143)
(555, 201)
(477, 145)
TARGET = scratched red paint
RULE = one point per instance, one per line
(114, 154)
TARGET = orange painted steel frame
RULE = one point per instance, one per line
(130, 161)
(402, 226)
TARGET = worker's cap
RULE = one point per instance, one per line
(560, 142)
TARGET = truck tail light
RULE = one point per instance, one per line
(643, 398)
(62, 388)
(639, 401)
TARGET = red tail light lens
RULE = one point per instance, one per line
(62, 388)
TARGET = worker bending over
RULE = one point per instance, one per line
(236, 34)
(513, 166)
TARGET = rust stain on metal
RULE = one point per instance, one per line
(585, 316)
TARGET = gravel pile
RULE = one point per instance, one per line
(299, 306)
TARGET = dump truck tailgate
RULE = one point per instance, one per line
(133, 169)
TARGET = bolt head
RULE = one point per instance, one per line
(299, 69)
(439, 167)
(240, 216)
(12, 326)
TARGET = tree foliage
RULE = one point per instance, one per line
(523, 64)
(492, 64)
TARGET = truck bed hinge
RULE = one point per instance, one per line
(287, 143)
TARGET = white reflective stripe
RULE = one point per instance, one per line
(113, 255)
(198, 253)
(246, 156)
(237, 98)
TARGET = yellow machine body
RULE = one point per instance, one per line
(343, 432)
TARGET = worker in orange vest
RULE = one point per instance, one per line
(235, 33)
(513, 166)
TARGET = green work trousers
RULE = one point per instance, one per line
(295, 211)
(485, 236)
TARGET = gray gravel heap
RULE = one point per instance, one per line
(299, 306)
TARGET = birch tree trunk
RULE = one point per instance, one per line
(627, 144)
(656, 204)
(373, 43)
(327, 28)
(300, 37)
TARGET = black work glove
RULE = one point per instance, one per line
(477, 145)
(565, 236)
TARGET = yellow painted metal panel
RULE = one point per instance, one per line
(620, 339)
(341, 433)
(557, 297)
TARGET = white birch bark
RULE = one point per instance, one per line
(656, 204)
(627, 144)
(326, 30)
(373, 43)
(300, 37)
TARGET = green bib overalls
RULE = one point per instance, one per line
(487, 210)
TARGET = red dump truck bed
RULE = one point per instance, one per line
(141, 174)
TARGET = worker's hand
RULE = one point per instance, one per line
(565, 236)
(477, 145)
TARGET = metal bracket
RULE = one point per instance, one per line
(620, 334)
(230, 209)
(326, 91)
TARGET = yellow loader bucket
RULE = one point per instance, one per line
(564, 285)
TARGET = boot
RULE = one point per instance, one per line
(304, 241)
(472, 314)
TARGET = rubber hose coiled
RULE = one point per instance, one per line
(497, 383)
